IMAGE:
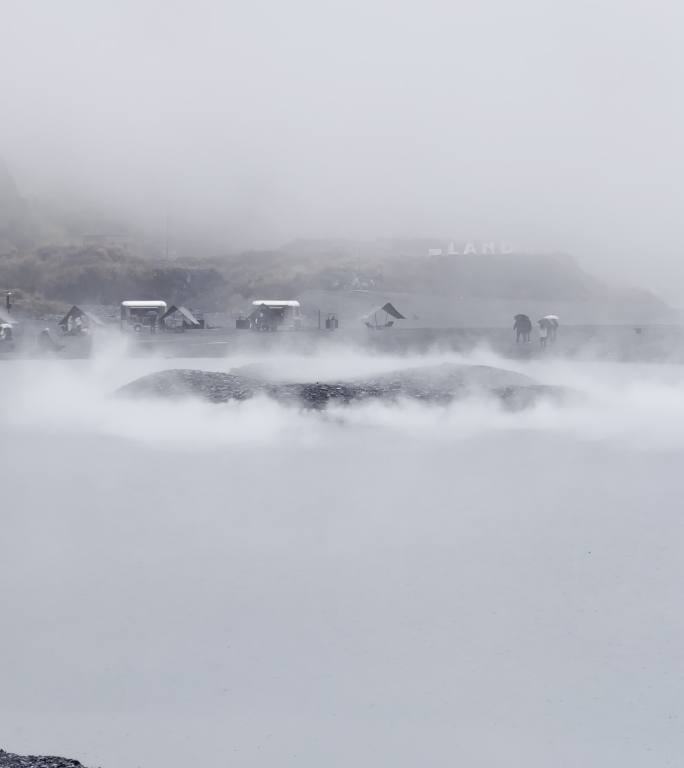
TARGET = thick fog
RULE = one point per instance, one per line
(548, 125)
(186, 583)
(390, 584)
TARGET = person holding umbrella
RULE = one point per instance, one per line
(522, 327)
(548, 326)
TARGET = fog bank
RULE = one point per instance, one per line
(550, 127)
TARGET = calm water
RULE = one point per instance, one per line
(184, 583)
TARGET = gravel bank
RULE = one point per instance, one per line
(9, 760)
(436, 384)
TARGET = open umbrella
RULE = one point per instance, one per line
(549, 321)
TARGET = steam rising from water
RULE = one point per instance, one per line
(643, 404)
(398, 585)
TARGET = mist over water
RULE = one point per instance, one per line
(635, 405)
(379, 584)
(399, 584)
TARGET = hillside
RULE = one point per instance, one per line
(48, 260)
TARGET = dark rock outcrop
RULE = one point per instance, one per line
(9, 760)
(438, 384)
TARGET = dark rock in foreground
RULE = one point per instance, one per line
(8, 760)
(438, 384)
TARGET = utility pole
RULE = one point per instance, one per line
(166, 234)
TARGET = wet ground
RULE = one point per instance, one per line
(617, 343)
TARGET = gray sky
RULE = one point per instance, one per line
(551, 125)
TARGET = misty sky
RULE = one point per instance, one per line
(551, 125)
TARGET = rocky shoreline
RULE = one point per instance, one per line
(440, 384)
(10, 760)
